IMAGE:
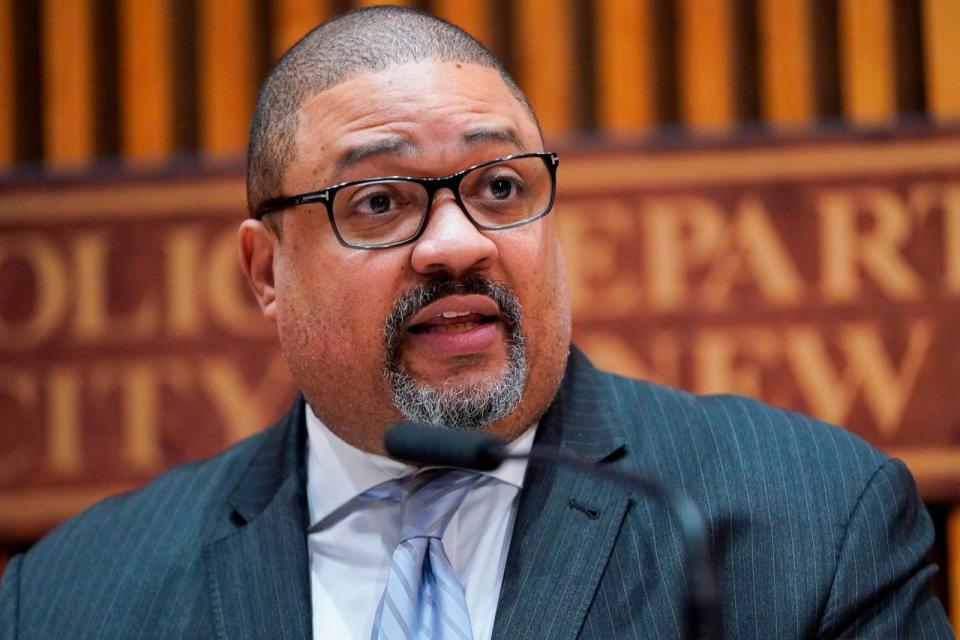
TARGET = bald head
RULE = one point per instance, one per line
(366, 40)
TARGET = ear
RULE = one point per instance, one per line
(258, 245)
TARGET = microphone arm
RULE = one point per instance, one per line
(704, 618)
(484, 452)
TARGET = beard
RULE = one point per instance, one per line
(455, 405)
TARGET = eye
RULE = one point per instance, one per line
(379, 203)
(503, 185)
(501, 188)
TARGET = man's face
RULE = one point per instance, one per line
(437, 316)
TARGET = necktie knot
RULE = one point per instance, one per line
(430, 500)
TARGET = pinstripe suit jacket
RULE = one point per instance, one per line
(815, 534)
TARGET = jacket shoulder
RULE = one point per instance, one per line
(736, 427)
(137, 554)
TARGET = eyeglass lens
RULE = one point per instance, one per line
(496, 195)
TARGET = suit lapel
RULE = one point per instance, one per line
(258, 574)
(567, 522)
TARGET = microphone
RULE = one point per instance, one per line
(426, 445)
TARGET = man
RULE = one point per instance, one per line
(444, 301)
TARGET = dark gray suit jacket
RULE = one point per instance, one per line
(815, 534)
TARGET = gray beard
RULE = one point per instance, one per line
(456, 406)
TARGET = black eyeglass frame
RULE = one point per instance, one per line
(432, 185)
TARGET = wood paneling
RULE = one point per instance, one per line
(473, 17)
(867, 72)
(624, 36)
(227, 88)
(941, 30)
(706, 63)
(292, 19)
(544, 42)
(146, 79)
(8, 80)
(786, 62)
(68, 87)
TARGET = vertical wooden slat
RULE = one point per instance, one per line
(786, 61)
(292, 20)
(473, 17)
(707, 100)
(8, 86)
(867, 72)
(68, 88)
(624, 36)
(953, 570)
(146, 79)
(225, 30)
(941, 30)
(544, 53)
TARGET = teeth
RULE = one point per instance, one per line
(455, 314)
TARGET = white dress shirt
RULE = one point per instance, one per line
(350, 552)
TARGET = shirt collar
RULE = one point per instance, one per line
(337, 472)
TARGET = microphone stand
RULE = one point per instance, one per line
(485, 452)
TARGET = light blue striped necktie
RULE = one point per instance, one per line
(423, 597)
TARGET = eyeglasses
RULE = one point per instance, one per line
(379, 213)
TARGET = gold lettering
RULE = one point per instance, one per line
(244, 407)
(93, 320)
(756, 246)
(845, 248)
(613, 353)
(183, 271)
(21, 386)
(231, 303)
(139, 386)
(679, 233)
(600, 285)
(64, 455)
(734, 361)
(951, 238)
(50, 277)
(868, 367)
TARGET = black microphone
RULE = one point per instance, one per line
(418, 443)
(426, 445)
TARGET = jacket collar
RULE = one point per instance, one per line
(567, 522)
(582, 419)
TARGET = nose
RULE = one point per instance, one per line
(451, 244)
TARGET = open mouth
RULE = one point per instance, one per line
(453, 322)
(457, 325)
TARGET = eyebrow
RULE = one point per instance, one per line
(397, 146)
(358, 154)
(479, 136)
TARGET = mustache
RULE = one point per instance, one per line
(419, 296)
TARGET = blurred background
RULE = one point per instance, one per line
(757, 196)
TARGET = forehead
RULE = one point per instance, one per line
(426, 115)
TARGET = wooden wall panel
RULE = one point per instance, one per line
(292, 19)
(867, 70)
(228, 83)
(68, 67)
(626, 102)
(786, 62)
(544, 40)
(707, 100)
(147, 130)
(8, 86)
(473, 17)
(941, 29)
